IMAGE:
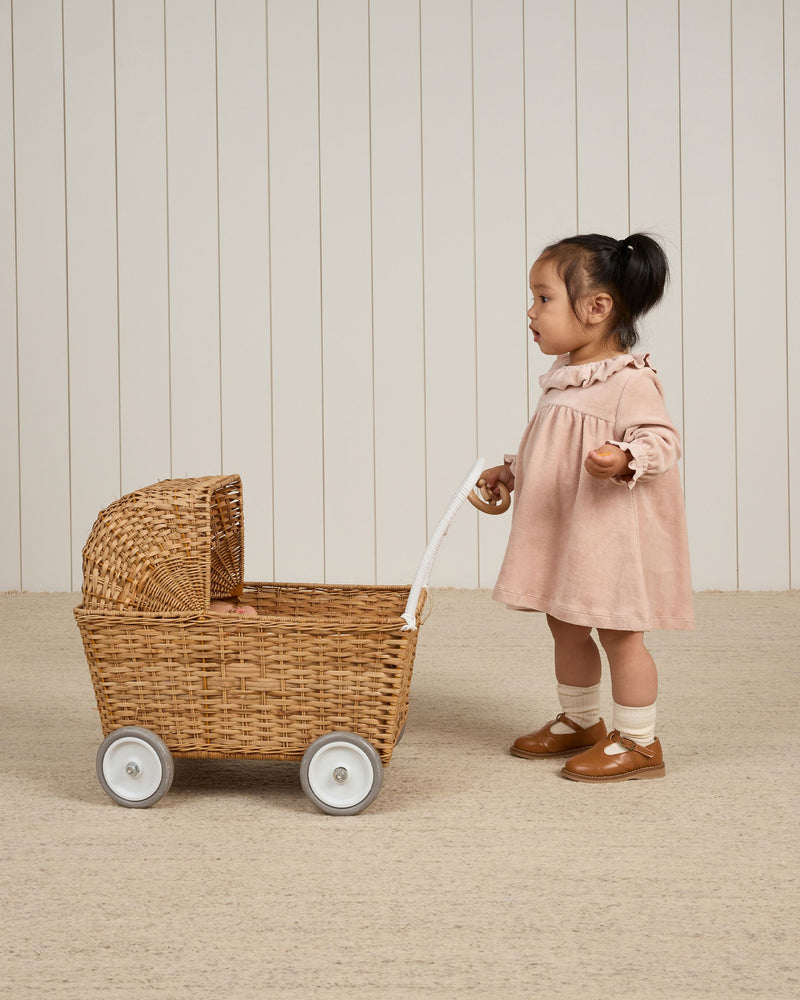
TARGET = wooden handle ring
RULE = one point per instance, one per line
(486, 502)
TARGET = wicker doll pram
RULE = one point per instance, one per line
(321, 675)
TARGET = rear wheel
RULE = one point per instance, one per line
(134, 767)
(341, 773)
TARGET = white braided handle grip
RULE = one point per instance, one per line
(428, 559)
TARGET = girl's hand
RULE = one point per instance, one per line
(607, 462)
(499, 473)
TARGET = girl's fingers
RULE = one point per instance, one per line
(599, 464)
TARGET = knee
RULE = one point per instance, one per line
(614, 641)
(565, 632)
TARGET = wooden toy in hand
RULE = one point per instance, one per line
(494, 500)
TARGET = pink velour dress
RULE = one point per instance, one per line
(607, 553)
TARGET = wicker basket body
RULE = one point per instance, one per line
(316, 659)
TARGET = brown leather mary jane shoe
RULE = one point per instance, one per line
(543, 743)
(635, 761)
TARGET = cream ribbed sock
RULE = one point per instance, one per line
(581, 704)
(638, 724)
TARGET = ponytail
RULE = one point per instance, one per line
(634, 271)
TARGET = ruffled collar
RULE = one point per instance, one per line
(564, 375)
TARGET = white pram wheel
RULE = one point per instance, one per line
(134, 767)
(341, 773)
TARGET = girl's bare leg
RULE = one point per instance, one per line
(634, 678)
(577, 658)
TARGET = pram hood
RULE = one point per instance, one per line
(166, 548)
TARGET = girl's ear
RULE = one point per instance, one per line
(599, 307)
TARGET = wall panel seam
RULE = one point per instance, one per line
(575, 89)
(789, 435)
(167, 227)
(733, 297)
(220, 358)
(424, 330)
(116, 240)
(680, 235)
(628, 106)
(372, 297)
(322, 306)
(269, 303)
(525, 199)
(66, 294)
(474, 265)
(16, 288)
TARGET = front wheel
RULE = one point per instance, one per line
(134, 767)
(341, 773)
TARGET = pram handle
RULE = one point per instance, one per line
(427, 561)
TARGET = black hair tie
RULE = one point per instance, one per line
(624, 247)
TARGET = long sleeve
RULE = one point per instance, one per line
(644, 429)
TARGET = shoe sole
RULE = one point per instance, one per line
(527, 755)
(600, 779)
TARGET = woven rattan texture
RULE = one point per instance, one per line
(317, 659)
(168, 547)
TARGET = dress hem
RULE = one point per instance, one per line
(589, 619)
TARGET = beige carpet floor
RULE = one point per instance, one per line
(473, 874)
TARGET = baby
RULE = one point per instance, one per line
(231, 606)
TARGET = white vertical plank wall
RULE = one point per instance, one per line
(397, 288)
(142, 245)
(290, 239)
(500, 252)
(601, 61)
(448, 217)
(654, 174)
(347, 352)
(92, 260)
(759, 209)
(551, 177)
(709, 378)
(296, 297)
(41, 271)
(193, 221)
(244, 269)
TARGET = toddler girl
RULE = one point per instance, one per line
(598, 534)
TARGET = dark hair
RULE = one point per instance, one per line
(634, 271)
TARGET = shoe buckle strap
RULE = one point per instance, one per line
(562, 717)
(616, 737)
